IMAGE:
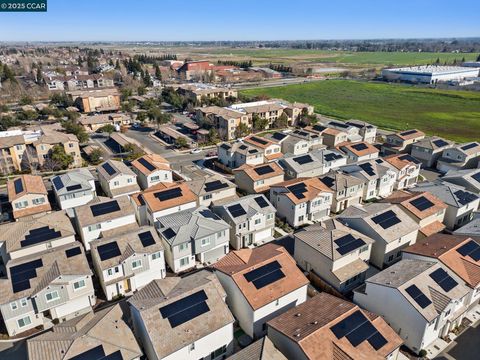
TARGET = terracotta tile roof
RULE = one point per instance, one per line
(370, 149)
(31, 184)
(31, 211)
(438, 205)
(432, 228)
(258, 141)
(249, 170)
(313, 186)
(331, 131)
(157, 161)
(153, 202)
(409, 136)
(237, 263)
(397, 161)
(274, 156)
(308, 325)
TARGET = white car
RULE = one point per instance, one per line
(195, 151)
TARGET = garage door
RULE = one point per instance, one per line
(263, 235)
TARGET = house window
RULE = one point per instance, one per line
(182, 247)
(184, 261)
(70, 145)
(18, 147)
(191, 347)
(94, 227)
(260, 182)
(205, 242)
(79, 285)
(13, 305)
(269, 216)
(38, 201)
(24, 322)
(52, 296)
(116, 183)
(155, 178)
(117, 270)
(130, 180)
(136, 264)
(156, 255)
(300, 218)
(21, 204)
(110, 272)
(208, 196)
(218, 352)
(23, 302)
(258, 221)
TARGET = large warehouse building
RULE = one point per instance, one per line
(430, 74)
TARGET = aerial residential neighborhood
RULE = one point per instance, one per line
(254, 181)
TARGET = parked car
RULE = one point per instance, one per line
(212, 154)
(195, 151)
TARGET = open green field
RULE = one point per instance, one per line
(451, 114)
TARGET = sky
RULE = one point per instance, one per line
(186, 20)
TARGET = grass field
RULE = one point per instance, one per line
(340, 57)
(451, 114)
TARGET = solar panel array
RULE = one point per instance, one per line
(146, 238)
(108, 251)
(98, 353)
(335, 123)
(215, 185)
(331, 156)
(169, 233)
(73, 252)
(418, 296)
(469, 146)
(265, 275)
(386, 219)
(357, 328)
(476, 177)
(260, 200)
(327, 180)
(422, 203)
(58, 183)
(409, 132)
(279, 136)
(108, 168)
(379, 161)
(367, 167)
(74, 187)
(168, 194)
(259, 140)
(305, 159)
(105, 208)
(22, 274)
(39, 235)
(440, 143)
(298, 190)
(360, 147)
(465, 197)
(236, 210)
(348, 243)
(186, 309)
(410, 158)
(18, 185)
(319, 127)
(445, 281)
(263, 170)
(471, 248)
(146, 164)
(206, 213)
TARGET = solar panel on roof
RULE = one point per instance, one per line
(476, 177)
(335, 123)
(169, 233)
(327, 180)
(378, 161)
(260, 200)
(108, 251)
(265, 275)
(279, 136)
(104, 208)
(348, 243)
(74, 187)
(168, 194)
(18, 185)
(465, 197)
(418, 296)
(73, 252)
(243, 147)
(360, 147)
(471, 248)
(386, 219)
(319, 127)
(108, 168)
(236, 210)
(422, 203)
(225, 146)
(206, 213)
(475, 255)
(305, 159)
(96, 353)
(185, 309)
(146, 238)
(331, 156)
(367, 167)
(20, 275)
(215, 185)
(146, 164)
(469, 146)
(58, 183)
(253, 151)
(445, 281)
(440, 143)
(298, 190)
(263, 170)
(259, 140)
(410, 158)
(40, 235)
(117, 355)
(409, 132)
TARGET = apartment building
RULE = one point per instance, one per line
(28, 196)
(421, 300)
(258, 179)
(102, 215)
(152, 169)
(198, 92)
(76, 82)
(260, 283)
(401, 142)
(224, 120)
(74, 188)
(458, 157)
(12, 150)
(347, 189)
(326, 327)
(303, 200)
(126, 262)
(429, 150)
(98, 100)
(192, 237)
(212, 188)
(117, 179)
(337, 254)
(51, 286)
(251, 220)
(387, 224)
(193, 306)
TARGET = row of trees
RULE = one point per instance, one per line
(145, 59)
(280, 67)
(240, 64)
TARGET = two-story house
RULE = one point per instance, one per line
(326, 327)
(260, 283)
(102, 215)
(407, 168)
(421, 300)
(152, 169)
(237, 154)
(212, 188)
(117, 179)
(49, 138)
(126, 262)
(183, 318)
(367, 131)
(458, 157)
(54, 285)
(74, 188)
(401, 142)
(28, 196)
(271, 151)
(193, 236)
(461, 203)
(469, 179)
(315, 163)
(359, 151)
(300, 201)
(347, 189)
(258, 179)
(331, 137)
(429, 150)
(387, 224)
(335, 253)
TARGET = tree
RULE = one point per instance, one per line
(109, 128)
(242, 130)
(141, 117)
(61, 99)
(141, 90)
(76, 129)
(30, 160)
(282, 121)
(58, 155)
(117, 65)
(96, 156)
(26, 100)
(259, 123)
(181, 142)
(213, 137)
(134, 151)
(51, 165)
(158, 73)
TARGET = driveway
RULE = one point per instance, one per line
(465, 347)
(13, 351)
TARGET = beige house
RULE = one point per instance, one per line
(258, 179)
(96, 100)
(117, 179)
(331, 137)
(198, 92)
(49, 139)
(224, 120)
(92, 123)
(11, 153)
(28, 196)
(152, 169)
(401, 142)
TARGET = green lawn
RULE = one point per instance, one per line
(452, 114)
